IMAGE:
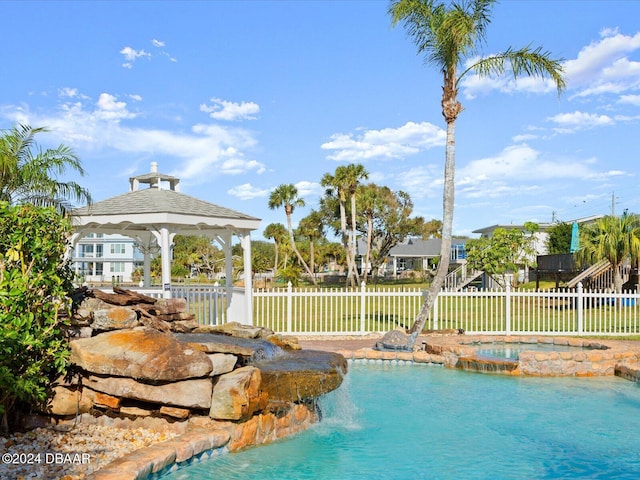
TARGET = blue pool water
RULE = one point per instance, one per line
(422, 422)
(511, 351)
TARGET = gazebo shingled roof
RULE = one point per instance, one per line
(157, 214)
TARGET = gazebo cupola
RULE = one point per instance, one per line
(155, 180)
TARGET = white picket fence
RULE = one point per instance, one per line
(360, 311)
(363, 310)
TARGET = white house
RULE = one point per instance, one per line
(99, 258)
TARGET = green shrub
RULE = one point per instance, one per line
(34, 285)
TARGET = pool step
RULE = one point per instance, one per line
(488, 365)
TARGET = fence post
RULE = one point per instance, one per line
(580, 306)
(363, 306)
(216, 285)
(507, 311)
(289, 307)
(434, 323)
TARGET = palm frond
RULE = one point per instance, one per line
(524, 62)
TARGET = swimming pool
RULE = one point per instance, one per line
(512, 351)
(423, 422)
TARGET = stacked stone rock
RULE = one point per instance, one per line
(129, 363)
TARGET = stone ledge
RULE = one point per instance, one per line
(218, 437)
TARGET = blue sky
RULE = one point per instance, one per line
(236, 98)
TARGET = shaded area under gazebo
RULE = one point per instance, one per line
(152, 216)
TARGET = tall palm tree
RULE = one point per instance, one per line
(616, 239)
(368, 199)
(277, 233)
(286, 195)
(29, 174)
(345, 181)
(312, 227)
(448, 35)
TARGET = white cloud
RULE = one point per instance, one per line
(246, 191)
(519, 170)
(523, 137)
(571, 122)
(306, 188)
(421, 182)
(409, 139)
(157, 43)
(131, 55)
(602, 66)
(203, 153)
(230, 111)
(109, 108)
(630, 99)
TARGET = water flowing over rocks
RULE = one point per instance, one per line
(140, 359)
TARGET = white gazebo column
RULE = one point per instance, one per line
(146, 269)
(164, 239)
(228, 266)
(245, 240)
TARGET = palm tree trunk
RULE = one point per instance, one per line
(368, 256)
(447, 227)
(295, 250)
(354, 249)
(345, 241)
(275, 263)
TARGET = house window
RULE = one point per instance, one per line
(458, 252)
(118, 248)
(116, 267)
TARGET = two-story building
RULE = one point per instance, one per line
(103, 258)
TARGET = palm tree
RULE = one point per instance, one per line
(345, 181)
(616, 239)
(312, 227)
(277, 232)
(368, 199)
(449, 35)
(28, 177)
(287, 195)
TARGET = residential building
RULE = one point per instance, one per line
(417, 254)
(106, 258)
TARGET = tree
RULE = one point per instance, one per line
(559, 239)
(195, 254)
(277, 233)
(432, 229)
(449, 35)
(345, 183)
(386, 221)
(312, 227)
(504, 253)
(616, 239)
(28, 177)
(286, 196)
(35, 283)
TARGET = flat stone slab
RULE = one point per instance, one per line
(301, 375)
(141, 353)
(253, 349)
(194, 393)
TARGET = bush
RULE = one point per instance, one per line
(34, 284)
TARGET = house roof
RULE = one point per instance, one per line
(543, 226)
(415, 247)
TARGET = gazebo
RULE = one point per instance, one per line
(152, 216)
